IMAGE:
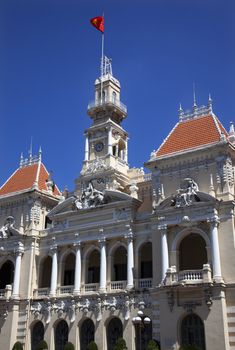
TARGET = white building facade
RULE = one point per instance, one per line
(125, 247)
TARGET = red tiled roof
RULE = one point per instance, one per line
(192, 133)
(24, 179)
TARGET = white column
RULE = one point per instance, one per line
(126, 153)
(164, 250)
(16, 283)
(86, 149)
(103, 267)
(130, 259)
(54, 271)
(110, 149)
(78, 270)
(215, 250)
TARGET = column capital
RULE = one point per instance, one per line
(19, 250)
(214, 221)
(162, 227)
(102, 240)
(77, 244)
(53, 249)
(129, 235)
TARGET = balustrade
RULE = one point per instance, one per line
(117, 285)
(145, 283)
(41, 292)
(190, 275)
(91, 287)
(65, 290)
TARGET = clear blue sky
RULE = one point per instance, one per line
(50, 56)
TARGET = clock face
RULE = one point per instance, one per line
(99, 146)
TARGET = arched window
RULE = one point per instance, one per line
(192, 331)
(146, 270)
(69, 270)
(37, 334)
(120, 265)
(114, 96)
(114, 331)
(93, 273)
(61, 335)
(45, 273)
(121, 148)
(87, 333)
(7, 274)
(192, 253)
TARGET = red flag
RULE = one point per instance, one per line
(98, 23)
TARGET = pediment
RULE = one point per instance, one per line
(187, 195)
(89, 199)
(63, 207)
(174, 201)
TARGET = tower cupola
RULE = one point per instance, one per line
(107, 103)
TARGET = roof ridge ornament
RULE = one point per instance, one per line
(31, 159)
(196, 112)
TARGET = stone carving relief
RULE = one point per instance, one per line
(97, 165)
(90, 198)
(186, 194)
(96, 304)
(8, 229)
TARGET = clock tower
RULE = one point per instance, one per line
(106, 142)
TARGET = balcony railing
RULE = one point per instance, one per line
(188, 276)
(117, 285)
(65, 290)
(107, 102)
(142, 283)
(91, 287)
(145, 283)
(41, 292)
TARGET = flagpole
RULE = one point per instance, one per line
(102, 68)
(102, 65)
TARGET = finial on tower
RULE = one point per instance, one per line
(31, 151)
(194, 100)
(210, 104)
(231, 135)
(181, 112)
(40, 154)
(21, 160)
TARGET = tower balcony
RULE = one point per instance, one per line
(110, 104)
